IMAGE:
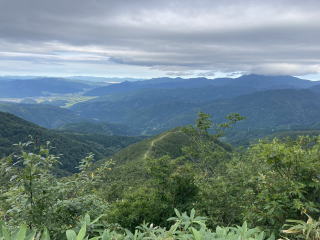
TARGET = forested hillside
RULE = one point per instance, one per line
(253, 191)
(95, 127)
(72, 147)
(156, 105)
(153, 111)
(44, 115)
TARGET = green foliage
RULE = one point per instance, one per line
(299, 229)
(184, 227)
(70, 147)
(22, 233)
(29, 189)
(34, 196)
(263, 186)
(267, 184)
(171, 183)
(205, 149)
(97, 128)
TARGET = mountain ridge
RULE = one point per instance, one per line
(73, 147)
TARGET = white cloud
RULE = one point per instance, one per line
(169, 37)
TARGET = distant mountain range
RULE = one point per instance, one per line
(252, 82)
(103, 79)
(149, 107)
(160, 104)
(21, 88)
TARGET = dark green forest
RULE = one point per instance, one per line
(70, 146)
(185, 183)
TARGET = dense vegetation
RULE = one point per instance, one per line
(258, 188)
(157, 105)
(152, 111)
(47, 116)
(98, 128)
(71, 146)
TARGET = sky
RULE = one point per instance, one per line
(147, 38)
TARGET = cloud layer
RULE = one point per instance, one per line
(167, 37)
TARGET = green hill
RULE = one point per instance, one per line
(97, 128)
(274, 109)
(152, 112)
(129, 163)
(41, 114)
(72, 146)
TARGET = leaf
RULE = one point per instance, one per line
(192, 214)
(82, 233)
(6, 233)
(177, 213)
(196, 234)
(31, 235)
(22, 233)
(45, 235)
(71, 235)
(87, 219)
(97, 219)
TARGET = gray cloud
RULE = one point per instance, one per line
(177, 37)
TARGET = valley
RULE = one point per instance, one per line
(137, 150)
(156, 105)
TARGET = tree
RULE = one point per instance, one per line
(171, 184)
(32, 188)
(205, 149)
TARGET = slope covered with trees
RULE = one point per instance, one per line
(153, 111)
(41, 114)
(261, 186)
(153, 106)
(97, 128)
(73, 147)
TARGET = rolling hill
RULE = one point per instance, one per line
(277, 109)
(47, 116)
(73, 147)
(129, 163)
(97, 128)
(35, 87)
(129, 167)
(155, 111)
(153, 106)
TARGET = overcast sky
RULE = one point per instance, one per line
(146, 38)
